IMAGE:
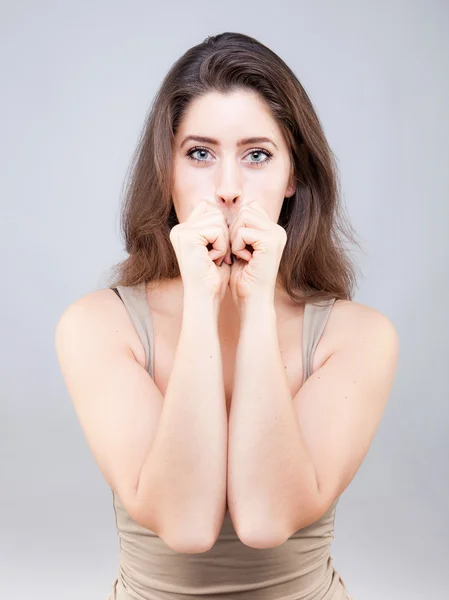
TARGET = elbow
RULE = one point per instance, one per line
(262, 536)
(191, 540)
(187, 542)
(303, 518)
(180, 531)
(186, 545)
(261, 539)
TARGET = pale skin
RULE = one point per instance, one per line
(275, 452)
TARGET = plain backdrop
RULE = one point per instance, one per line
(77, 79)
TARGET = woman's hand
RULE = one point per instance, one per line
(253, 276)
(202, 243)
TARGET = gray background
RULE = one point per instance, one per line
(77, 81)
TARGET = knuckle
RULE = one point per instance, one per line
(174, 232)
(282, 232)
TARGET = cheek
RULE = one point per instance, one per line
(270, 180)
(189, 188)
(190, 180)
(269, 192)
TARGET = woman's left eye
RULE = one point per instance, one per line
(257, 152)
(261, 152)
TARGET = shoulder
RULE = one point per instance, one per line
(100, 313)
(355, 327)
(350, 317)
(96, 306)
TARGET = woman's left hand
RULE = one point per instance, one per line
(253, 276)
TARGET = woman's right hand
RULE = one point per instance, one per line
(198, 264)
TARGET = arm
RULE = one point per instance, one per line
(164, 457)
(289, 458)
(184, 475)
(269, 468)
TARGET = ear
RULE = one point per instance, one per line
(291, 189)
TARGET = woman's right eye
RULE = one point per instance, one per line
(202, 151)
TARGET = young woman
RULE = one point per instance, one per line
(227, 384)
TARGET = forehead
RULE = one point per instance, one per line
(237, 114)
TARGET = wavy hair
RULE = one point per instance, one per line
(315, 265)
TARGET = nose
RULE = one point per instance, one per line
(228, 190)
(229, 207)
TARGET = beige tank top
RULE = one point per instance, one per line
(300, 569)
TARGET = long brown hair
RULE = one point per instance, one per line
(314, 265)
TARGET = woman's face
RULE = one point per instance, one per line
(228, 168)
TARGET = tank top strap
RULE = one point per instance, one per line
(314, 321)
(135, 300)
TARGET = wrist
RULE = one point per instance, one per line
(257, 307)
(200, 305)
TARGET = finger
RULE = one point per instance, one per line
(247, 219)
(218, 237)
(203, 225)
(203, 207)
(228, 256)
(200, 208)
(211, 218)
(246, 236)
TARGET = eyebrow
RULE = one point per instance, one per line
(242, 142)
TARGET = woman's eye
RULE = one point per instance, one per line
(259, 154)
(203, 152)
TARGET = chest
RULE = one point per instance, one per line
(166, 336)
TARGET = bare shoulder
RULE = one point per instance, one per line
(353, 324)
(352, 314)
(100, 312)
(98, 308)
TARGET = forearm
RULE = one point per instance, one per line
(271, 478)
(185, 473)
